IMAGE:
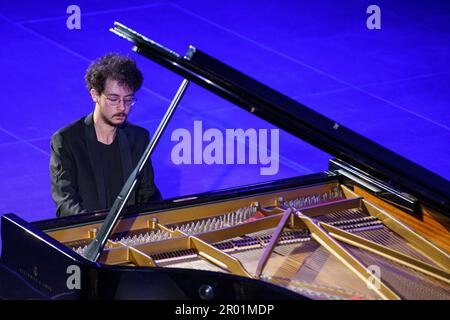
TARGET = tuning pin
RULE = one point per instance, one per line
(207, 224)
(233, 218)
(196, 227)
(241, 215)
(247, 213)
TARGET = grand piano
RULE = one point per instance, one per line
(373, 225)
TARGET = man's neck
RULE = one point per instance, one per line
(104, 131)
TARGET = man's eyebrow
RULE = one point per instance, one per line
(118, 95)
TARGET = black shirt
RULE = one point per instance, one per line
(112, 170)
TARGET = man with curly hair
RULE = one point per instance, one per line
(92, 157)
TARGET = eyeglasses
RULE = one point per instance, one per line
(114, 100)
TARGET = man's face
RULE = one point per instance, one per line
(114, 103)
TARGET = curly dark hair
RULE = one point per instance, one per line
(116, 67)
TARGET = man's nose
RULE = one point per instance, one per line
(121, 106)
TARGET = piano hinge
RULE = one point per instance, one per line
(353, 176)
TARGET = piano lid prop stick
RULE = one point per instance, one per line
(96, 246)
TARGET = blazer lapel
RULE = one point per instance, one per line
(125, 155)
(94, 157)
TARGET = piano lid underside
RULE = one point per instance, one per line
(335, 245)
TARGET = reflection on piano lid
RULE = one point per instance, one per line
(372, 226)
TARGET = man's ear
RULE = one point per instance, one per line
(94, 94)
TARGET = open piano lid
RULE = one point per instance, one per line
(360, 153)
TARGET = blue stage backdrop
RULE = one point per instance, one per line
(386, 78)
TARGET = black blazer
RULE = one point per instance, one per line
(75, 164)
